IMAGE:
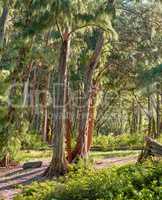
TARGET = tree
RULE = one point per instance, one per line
(81, 147)
(58, 163)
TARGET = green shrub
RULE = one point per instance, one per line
(124, 141)
(10, 138)
(15, 136)
(33, 141)
(37, 191)
(31, 155)
(132, 182)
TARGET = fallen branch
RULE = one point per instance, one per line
(31, 165)
(152, 148)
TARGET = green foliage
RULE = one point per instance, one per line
(150, 76)
(10, 139)
(4, 85)
(33, 141)
(38, 191)
(30, 155)
(15, 136)
(123, 141)
(132, 182)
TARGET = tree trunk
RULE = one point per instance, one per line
(153, 131)
(58, 164)
(68, 126)
(134, 118)
(81, 146)
(5, 161)
(45, 123)
(3, 20)
(35, 101)
(49, 134)
(77, 150)
(90, 124)
(33, 91)
(45, 108)
(149, 116)
(157, 112)
(139, 119)
(91, 118)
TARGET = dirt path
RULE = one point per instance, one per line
(10, 178)
(109, 162)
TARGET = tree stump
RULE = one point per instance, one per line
(5, 161)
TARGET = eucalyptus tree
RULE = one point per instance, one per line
(71, 18)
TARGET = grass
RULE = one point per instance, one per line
(33, 155)
(110, 154)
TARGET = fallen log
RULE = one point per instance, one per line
(156, 152)
(153, 143)
(31, 165)
(152, 148)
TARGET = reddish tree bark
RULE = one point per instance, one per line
(68, 126)
(91, 119)
(81, 146)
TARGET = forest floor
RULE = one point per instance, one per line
(12, 178)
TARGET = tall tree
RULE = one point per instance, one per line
(58, 163)
(81, 147)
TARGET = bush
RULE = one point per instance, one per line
(124, 141)
(138, 182)
(38, 191)
(33, 141)
(10, 139)
(15, 136)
